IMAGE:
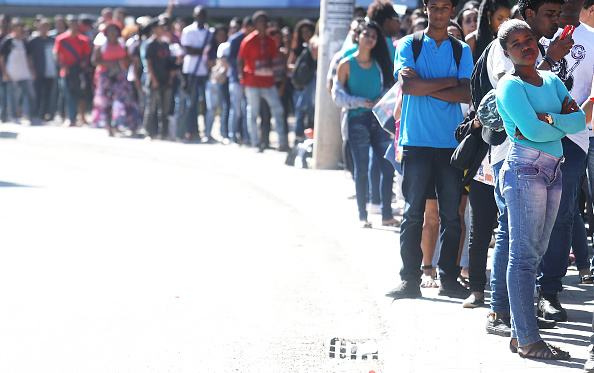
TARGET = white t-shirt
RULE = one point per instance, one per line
(497, 66)
(576, 70)
(194, 37)
(17, 65)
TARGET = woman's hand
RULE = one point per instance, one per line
(569, 107)
(369, 104)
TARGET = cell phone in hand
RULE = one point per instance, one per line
(567, 32)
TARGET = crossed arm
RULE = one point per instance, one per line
(446, 89)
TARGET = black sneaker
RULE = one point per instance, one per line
(405, 289)
(589, 366)
(545, 324)
(550, 308)
(453, 289)
(499, 325)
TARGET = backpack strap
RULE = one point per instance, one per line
(417, 44)
(457, 49)
(542, 50)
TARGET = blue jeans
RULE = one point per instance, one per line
(420, 167)
(217, 96)
(190, 102)
(270, 94)
(70, 101)
(19, 90)
(3, 101)
(531, 184)
(364, 132)
(553, 266)
(237, 112)
(304, 106)
(499, 296)
(374, 179)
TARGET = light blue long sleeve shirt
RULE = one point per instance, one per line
(518, 103)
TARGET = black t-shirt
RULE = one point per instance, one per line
(158, 54)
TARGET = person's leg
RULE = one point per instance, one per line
(202, 106)
(3, 101)
(15, 97)
(31, 99)
(447, 185)
(225, 103)
(166, 102)
(190, 108)
(590, 168)
(213, 101)
(483, 212)
(380, 141)
(150, 110)
(265, 123)
(374, 179)
(236, 96)
(532, 190)
(429, 239)
(276, 108)
(417, 172)
(499, 295)
(253, 96)
(553, 266)
(300, 112)
(359, 138)
(40, 86)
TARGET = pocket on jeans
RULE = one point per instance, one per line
(527, 172)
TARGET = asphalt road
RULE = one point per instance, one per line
(121, 255)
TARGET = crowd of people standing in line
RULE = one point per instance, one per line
(529, 110)
(154, 77)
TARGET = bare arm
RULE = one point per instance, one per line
(412, 85)
(459, 94)
(5, 76)
(587, 108)
(193, 51)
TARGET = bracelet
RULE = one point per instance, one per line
(427, 266)
(549, 61)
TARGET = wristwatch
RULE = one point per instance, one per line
(549, 118)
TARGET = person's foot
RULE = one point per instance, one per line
(283, 148)
(373, 208)
(475, 300)
(208, 140)
(499, 324)
(550, 308)
(391, 223)
(405, 289)
(428, 278)
(453, 289)
(67, 123)
(365, 224)
(542, 350)
(589, 365)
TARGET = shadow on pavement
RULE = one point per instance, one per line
(5, 184)
(8, 135)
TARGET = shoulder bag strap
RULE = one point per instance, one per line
(71, 49)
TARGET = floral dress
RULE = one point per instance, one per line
(114, 106)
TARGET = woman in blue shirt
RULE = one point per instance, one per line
(361, 80)
(537, 112)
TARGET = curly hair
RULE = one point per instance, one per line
(381, 10)
(534, 5)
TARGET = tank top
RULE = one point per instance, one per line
(111, 53)
(363, 83)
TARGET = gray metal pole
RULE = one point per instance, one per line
(335, 19)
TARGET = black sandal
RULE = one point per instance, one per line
(543, 350)
(513, 348)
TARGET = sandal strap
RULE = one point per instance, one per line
(545, 351)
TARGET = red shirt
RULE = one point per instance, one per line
(258, 55)
(79, 42)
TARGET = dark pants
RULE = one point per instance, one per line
(3, 101)
(483, 214)
(191, 101)
(266, 116)
(155, 113)
(419, 166)
(45, 91)
(553, 265)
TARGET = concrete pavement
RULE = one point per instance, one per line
(429, 334)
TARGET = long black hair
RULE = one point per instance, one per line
(484, 34)
(380, 52)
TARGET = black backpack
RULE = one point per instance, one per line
(417, 46)
(305, 69)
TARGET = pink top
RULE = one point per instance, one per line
(111, 53)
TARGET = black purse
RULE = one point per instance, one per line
(466, 152)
